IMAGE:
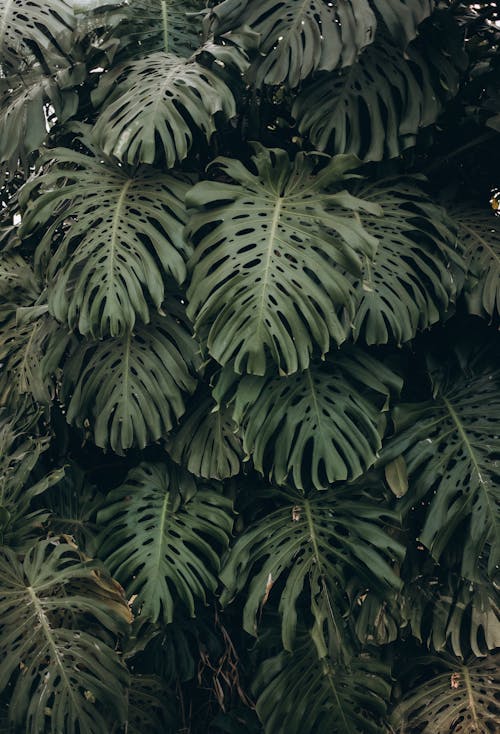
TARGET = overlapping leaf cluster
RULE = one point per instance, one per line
(249, 370)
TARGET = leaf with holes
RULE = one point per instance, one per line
(375, 108)
(206, 442)
(131, 389)
(34, 29)
(479, 232)
(267, 267)
(307, 548)
(152, 106)
(464, 695)
(110, 238)
(145, 26)
(316, 427)
(305, 692)
(162, 538)
(409, 284)
(44, 600)
(297, 39)
(451, 444)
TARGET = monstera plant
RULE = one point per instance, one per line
(249, 367)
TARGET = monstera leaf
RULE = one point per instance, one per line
(117, 234)
(450, 445)
(34, 28)
(153, 105)
(308, 547)
(408, 285)
(304, 692)
(316, 427)
(374, 108)
(63, 678)
(452, 612)
(402, 17)
(206, 442)
(20, 450)
(131, 389)
(266, 277)
(152, 25)
(27, 334)
(479, 232)
(297, 39)
(464, 695)
(161, 537)
(24, 101)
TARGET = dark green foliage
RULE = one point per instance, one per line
(249, 383)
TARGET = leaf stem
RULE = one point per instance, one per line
(164, 15)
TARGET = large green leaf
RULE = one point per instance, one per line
(152, 107)
(463, 697)
(374, 108)
(34, 28)
(316, 427)
(452, 613)
(151, 706)
(24, 117)
(20, 450)
(450, 444)
(113, 236)
(145, 26)
(479, 232)
(302, 693)
(131, 389)
(206, 442)
(409, 284)
(161, 538)
(63, 678)
(266, 278)
(307, 548)
(298, 38)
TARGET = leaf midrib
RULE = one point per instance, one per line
(470, 695)
(48, 636)
(267, 267)
(114, 230)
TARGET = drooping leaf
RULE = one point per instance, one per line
(34, 29)
(308, 547)
(69, 680)
(409, 284)
(316, 427)
(24, 104)
(112, 237)
(479, 232)
(297, 39)
(266, 278)
(462, 695)
(206, 442)
(131, 389)
(452, 612)
(160, 538)
(450, 445)
(152, 107)
(375, 108)
(304, 692)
